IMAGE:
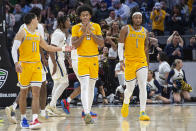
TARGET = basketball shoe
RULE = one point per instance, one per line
(94, 115)
(35, 124)
(88, 119)
(65, 106)
(125, 110)
(24, 123)
(143, 116)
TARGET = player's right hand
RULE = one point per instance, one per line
(18, 67)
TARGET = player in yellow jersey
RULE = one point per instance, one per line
(28, 67)
(133, 56)
(86, 37)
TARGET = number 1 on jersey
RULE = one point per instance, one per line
(34, 47)
(136, 43)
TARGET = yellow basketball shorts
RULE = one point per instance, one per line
(131, 67)
(31, 75)
(88, 66)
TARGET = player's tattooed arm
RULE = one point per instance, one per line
(98, 39)
(76, 41)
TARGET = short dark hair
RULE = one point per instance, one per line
(135, 9)
(36, 11)
(163, 56)
(84, 7)
(28, 18)
(61, 21)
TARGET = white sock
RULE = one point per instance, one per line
(23, 116)
(58, 92)
(84, 82)
(35, 116)
(142, 75)
(43, 113)
(14, 106)
(91, 93)
(68, 99)
(129, 90)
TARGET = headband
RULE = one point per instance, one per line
(137, 13)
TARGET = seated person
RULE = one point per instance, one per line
(154, 89)
(177, 81)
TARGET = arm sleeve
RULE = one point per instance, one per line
(121, 51)
(171, 73)
(56, 38)
(15, 47)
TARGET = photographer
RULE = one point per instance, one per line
(174, 49)
(158, 17)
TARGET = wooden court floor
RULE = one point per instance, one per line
(163, 118)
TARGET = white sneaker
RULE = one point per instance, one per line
(10, 114)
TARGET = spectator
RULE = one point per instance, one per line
(25, 6)
(18, 17)
(99, 84)
(168, 13)
(190, 49)
(56, 6)
(120, 74)
(10, 20)
(174, 79)
(111, 18)
(122, 11)
(176, 20)
(131, 4)
(174, 49)
(158, 17)
(60, 13)
(184, 10)
(193, 18)
(36, 3)
(101, 13)
(192, 43)
(163, 72)
(154, 89)
(50, 23)
(169, 40)
(111, 41)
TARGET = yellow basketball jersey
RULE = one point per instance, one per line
(29, 48)
(135, 44)
(88, 47)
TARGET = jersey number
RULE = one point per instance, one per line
(136, 43)
(34, 47)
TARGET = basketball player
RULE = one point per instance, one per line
(86, 37)
(10, 111)
(74, 62)
(133, 47)
(27, 42)
(57, 65)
